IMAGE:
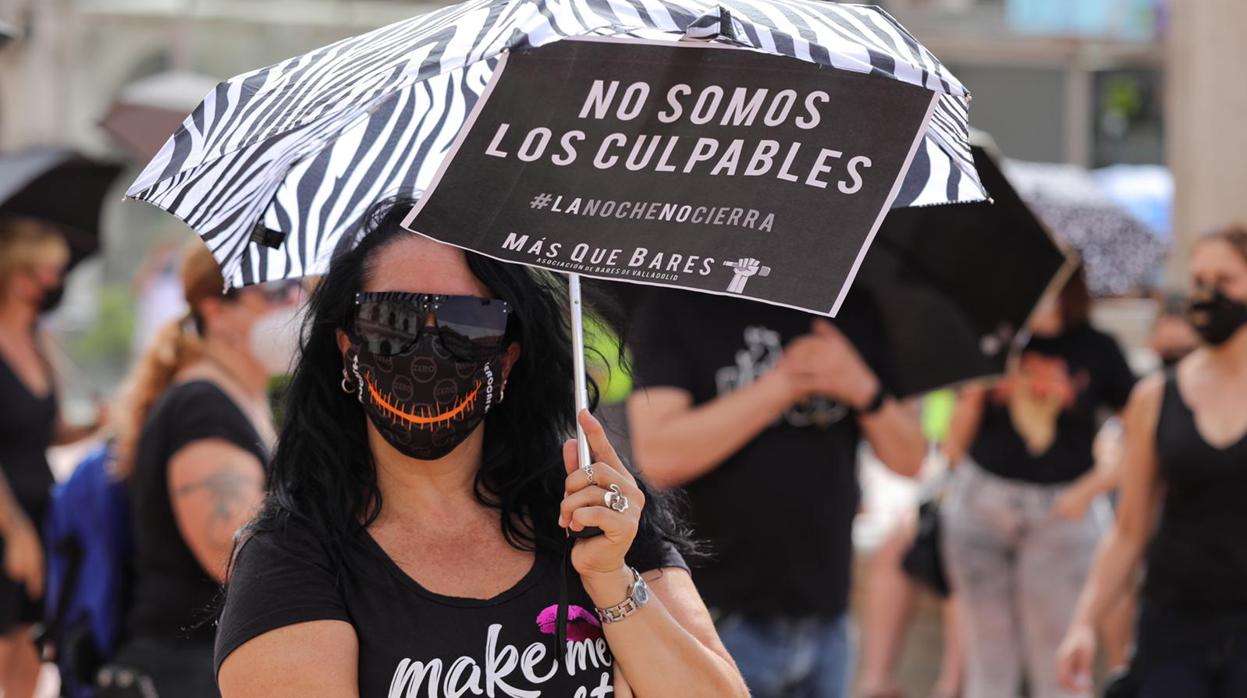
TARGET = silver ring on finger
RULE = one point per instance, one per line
(615, 500)
(589, 474)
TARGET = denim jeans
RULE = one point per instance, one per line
(1018, 570)
(791, 657)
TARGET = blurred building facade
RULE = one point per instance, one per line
(1054, 80)
(1090, 82)
(1206, 106)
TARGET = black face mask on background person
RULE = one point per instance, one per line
(424, 401)
(1171, 359)
(51, 298)
(1216, 317)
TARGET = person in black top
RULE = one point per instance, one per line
(1025, 510)
(414, 536)
(1172, 336)
(1181, 510)
(193, 448)
(32, 263)
(757, 413)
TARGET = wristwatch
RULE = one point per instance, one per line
(638, 596)
(877, 401)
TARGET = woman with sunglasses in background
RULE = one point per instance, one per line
(413, 539)
(193, 441)
(1181, 512)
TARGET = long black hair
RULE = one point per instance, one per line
(323, 474)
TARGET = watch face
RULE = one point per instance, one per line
(640, 593)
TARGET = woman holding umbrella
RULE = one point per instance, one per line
(1184, 471)
(420, 499)
(32, 263)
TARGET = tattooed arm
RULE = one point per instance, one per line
(215, 488)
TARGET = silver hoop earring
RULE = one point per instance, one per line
(346, 382)
(502, 392)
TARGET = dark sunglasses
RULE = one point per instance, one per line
(470, 328)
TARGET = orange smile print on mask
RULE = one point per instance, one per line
(420, 421)
(424, 402)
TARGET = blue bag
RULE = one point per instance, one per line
(89, 550)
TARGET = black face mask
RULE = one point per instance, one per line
(1217, 317)
(424, 401)
(51, 298)
(1171, 359)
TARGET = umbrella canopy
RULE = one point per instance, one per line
(1120, 252)
(59, 187)
(952, 286)
(147, 111)
(277, 164)
(1146, 191)
(8, 32)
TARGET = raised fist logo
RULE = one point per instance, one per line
(745, 268)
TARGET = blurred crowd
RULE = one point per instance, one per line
(1081, 521)
(375, 482)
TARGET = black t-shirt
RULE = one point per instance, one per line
(778, 514)
(174, 596)
(1063, 384)
(413, 642)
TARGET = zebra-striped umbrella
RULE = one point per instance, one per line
(276, 165)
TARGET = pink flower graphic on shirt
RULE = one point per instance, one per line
(581, 624)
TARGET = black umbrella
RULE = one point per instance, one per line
(953, 285)
(61, 188)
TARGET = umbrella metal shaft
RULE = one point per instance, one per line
(578, 363)
(583, 458)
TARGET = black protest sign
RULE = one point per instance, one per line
(689, 165)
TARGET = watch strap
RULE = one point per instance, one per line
(628, 606)
(877, 402)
